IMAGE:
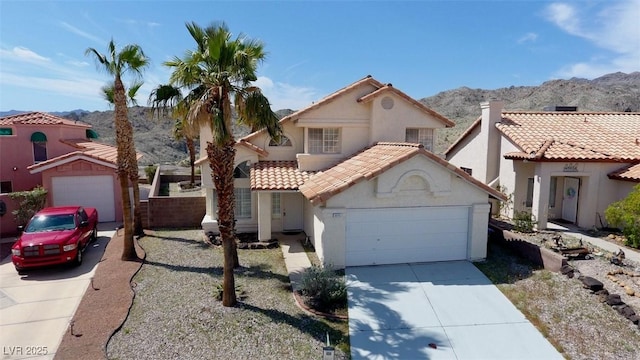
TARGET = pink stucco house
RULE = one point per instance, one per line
(59, 154)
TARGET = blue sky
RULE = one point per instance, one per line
(317, 47)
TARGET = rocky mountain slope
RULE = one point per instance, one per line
(612, 92)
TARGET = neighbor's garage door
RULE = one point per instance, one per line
(87, 191)
(404, 235)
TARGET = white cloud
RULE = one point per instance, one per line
(286, 96)
(82, 33)
(80, 87)
(528, 37)
(20, 53)
(613, 27)
(77, 63)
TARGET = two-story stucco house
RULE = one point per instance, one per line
(557, 165)
(60, 155)
(355, 171)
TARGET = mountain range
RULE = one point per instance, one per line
(611, 92)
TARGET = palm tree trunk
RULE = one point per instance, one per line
(221, 160)
(124, 139)
(191, 146)
(138, 229)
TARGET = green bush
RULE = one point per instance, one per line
(625, 214)
(324, 286)
(150, 171)
(29, 203)
(523, 221)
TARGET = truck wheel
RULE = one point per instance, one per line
(78, 259)
(21, 271)
(94, 235)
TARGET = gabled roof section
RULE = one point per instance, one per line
(39, 118)
(579, 136)
(627, 173)
(466, 133)
(277, 175)
(390, 89)
(103, 154)
(244, 143)
(327, 99)
(372, 162)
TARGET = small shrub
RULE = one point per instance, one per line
(150, 171)
(324, 286)
(625, 214)
(523, 221)
(30, 202)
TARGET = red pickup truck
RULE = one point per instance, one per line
(55, 235)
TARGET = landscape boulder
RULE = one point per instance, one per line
(591, 283)
(614, 299)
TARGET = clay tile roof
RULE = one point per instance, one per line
(277, 175)
(370, 163)
(573, 135)
(628, 173)
(252, 147)
(86, 148)
(389, 88)
(38, 118)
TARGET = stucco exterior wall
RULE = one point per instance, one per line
(391, 124)
(468, 152)
(17, 151)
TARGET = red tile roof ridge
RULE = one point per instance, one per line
(41, 118)
(367, 79)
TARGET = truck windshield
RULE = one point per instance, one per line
(51, 223)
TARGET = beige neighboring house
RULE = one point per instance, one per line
(559, 165)
(355, 172)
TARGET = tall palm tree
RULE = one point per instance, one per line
(167, 98)
(220, 70)
(129, 59)
(108, 92)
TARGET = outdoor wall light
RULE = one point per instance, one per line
(15, 168)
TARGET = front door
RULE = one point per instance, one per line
(570, 199)
(292, 207)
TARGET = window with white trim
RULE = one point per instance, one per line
(243, 203)
(324, 141)
(283, 141)
(529, 200)
(242, 171)
(423, 136)
(276, 207)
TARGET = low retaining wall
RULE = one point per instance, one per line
(540, 256)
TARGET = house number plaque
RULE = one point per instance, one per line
(570, 167)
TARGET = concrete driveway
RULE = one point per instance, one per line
(35, 309)
(446, 310)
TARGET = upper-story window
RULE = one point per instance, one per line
(39, 141)
(242, 171)
(283, 141)
(422, 136)
(324, 141)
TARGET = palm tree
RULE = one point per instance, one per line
(221, 69)
(108, 92)
(165, 98)
(130, 59)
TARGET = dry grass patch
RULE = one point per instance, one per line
(569, 316)
(175, 314)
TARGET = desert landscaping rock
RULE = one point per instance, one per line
(591, 283)
(614, 299)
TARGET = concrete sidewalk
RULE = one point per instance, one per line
(576, 232)
(295, 258)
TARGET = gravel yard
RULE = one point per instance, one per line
(175, 315)
(574, 320)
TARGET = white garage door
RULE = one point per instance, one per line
(87, 191)
(405, 235)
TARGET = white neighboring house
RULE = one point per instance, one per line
(355, 172)
(559, 165)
